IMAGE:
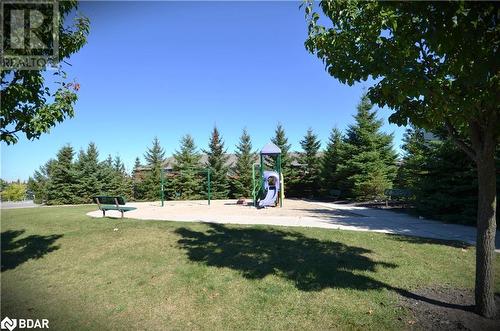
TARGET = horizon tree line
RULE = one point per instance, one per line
(360, 163)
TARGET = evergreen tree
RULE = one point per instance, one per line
(106, 176)
(310, 164)
(369, 161)
(154, 156)
(289, 174)
(188, 181)
(39, 183)
(138, 181)
(441, 176)
(245, 158)
(137, 163)
(87, 175)
(331, 160)
(416, 151)
(216, 161)
(122, 181)
(446, 184)
(62, 184)
(280, 139)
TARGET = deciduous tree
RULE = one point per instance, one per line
(30, 105)
(435, 64)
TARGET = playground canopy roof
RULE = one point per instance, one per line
(270, 149)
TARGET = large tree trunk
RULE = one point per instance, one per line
(486, 229)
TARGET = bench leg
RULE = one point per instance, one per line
(122, 213)
(103, 213)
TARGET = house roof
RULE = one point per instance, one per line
(169, 162)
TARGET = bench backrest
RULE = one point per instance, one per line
(109, 200)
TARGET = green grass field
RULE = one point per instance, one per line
(82, 273)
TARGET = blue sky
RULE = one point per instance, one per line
(169, 68)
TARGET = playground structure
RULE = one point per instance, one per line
(266, 192)
(269, 190)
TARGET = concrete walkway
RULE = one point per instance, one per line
(385, 221)
(304, 214)
(17, 204)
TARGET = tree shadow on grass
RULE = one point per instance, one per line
(311, 264)
(17, 251)
(429, 241)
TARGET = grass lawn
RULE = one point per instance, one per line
(82, 273)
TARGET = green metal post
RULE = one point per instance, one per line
(208, 191)
(262, 169)
(254, 186)
(162, 193)
(282, 194)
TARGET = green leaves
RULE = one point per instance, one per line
(413, 47)
(28, 105)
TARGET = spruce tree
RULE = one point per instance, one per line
(154, 156)
(369, 164)
(87, 170)
(62, 182)
(107, 176)
(39, 184)
(137, 163)
(441, 176)
(122, 183)
(138, 181)
(280, 139)
(289, 174)
(245, 158)
(188, 181)
(330, 162)
(415, 153)
(446, 186)
(216, 162)
(310, 164)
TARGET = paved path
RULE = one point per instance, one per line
(17, 204)
(304, 214)
(391, 222)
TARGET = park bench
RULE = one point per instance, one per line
(397, 194)
(112, 203)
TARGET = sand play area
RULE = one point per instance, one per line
(303, 213)
(293, 212)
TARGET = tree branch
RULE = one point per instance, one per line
(459, 141)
